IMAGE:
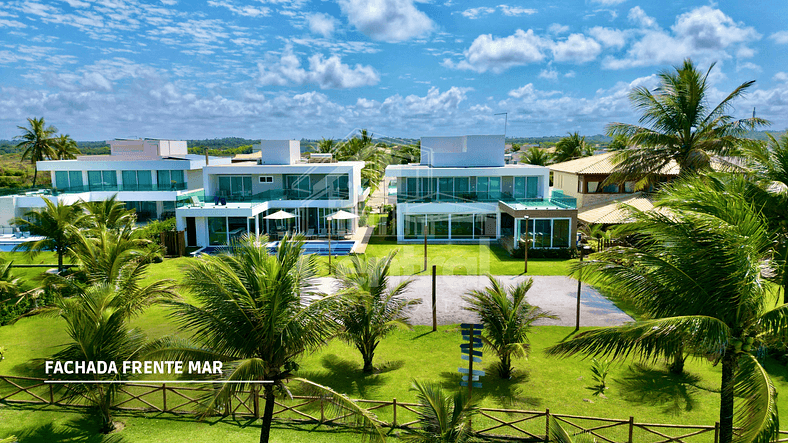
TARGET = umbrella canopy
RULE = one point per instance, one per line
(279, 215)
(341, 215)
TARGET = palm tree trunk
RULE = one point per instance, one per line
(677, 365)
(268, 413)
(59, 260)
(726, 398)
(368, 368)
(35, 174)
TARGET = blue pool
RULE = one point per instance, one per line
(338, 247)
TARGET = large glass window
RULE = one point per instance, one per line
(61, 179)
(137, 180)
(75, 179)
(462, 226)
(542, 234)
(338, 186)
(561, 233)
(145, 210)
(519, 187)
(495, 188)
(102, 180)
(484, 225)
(461, 185)
(445, 188)
(172, 179)
(438, 226)
(414, 226)
(532, 187)
(237, 227)
(217, 231)
(235, 186)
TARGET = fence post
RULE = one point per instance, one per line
(631, 428)
(547, 425)
(256, 402)
(394, 418)
(51, 394)
(717, 432)
(164, 396)
(322, 412)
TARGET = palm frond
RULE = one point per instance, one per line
(756, 414)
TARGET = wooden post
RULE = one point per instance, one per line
(579, 287)
(329, 246)
(525, 251)
(51, 394)
(164, 396)
(256, 400)
(434, 309)
(547, 425)
(425, 242)
(322, 412)
(470, 362)
(394, 415)
(717, 432)
(631, 428)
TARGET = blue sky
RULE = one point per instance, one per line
(101, 69)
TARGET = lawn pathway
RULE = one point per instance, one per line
(556, 294)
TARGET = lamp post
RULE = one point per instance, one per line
(425, 242)
(579, 287)
(525, 248)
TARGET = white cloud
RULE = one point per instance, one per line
(327, 73)
(245, 10)
(516, 10)
(12, 24)
(570, 74)
(780, 77)
(749, 66)
(387, 20)
(612, 38)
(639, 17)
(474, 13)
(557, 28)
(780, 37)
(576, 48)
(708, 28)
(550, 74)
(320, 23)
(609, 2)
(488, 53)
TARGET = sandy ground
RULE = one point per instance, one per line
(556, 294)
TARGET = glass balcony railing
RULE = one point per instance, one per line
(474, 197)
(272, 195)
(119, 188)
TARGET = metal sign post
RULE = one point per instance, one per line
(471, 332)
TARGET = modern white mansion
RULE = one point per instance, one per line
(464, 191)
(237, 197)
(148, 175)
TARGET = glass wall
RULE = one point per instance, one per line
(546, 232)
(137, 180)
(414, 227)
(217, 231)
(102, 180)
(462, 226)
(146, 210)
(235, 186)
(438, 226)
(237, 227)
(170, 179)
(450, 226)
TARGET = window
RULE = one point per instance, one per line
(414, 226)
(532, 187)
(170, 180)
(610, 189)
(629, 187)
(235, 186)
(61, 179)
(546, 232)
(462, 226)
(298, 186)
(145, 210)
(265, 179)
(137, 180)
(102, 180)
(445, 188)
(593, 187)
(519, 187)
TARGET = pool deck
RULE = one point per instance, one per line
(361, 237)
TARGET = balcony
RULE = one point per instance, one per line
(272, 195)
(558, 200)
(118, 188)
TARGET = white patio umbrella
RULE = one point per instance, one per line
(280, 215)
(339, 215)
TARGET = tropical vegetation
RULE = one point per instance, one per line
(37, 142)
(54, 223)
(697, 272)
(507, 319)
(443, 417)
(572, 147)
(537, 156)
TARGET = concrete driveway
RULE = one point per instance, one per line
(556, 294)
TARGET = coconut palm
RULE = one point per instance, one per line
(363, 148)
(678, 125)
(443, 418)
(37, 142)
(768, 167)
(572, 147)
(249, 313)
(326, 146)
(537, 156)
(507, 319)
(371, 309)
(696, 270)
(97, 322)
(54, 223)
(65, 147)
(109, 214)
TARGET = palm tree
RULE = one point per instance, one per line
(768, 167)
(507, 319)
(109, 214)
(537, 156)
(97, 322)
(362, 148)
(65, 147)
(54, 223)
(572, 147)
(37, 142)
(249, 313)
(697, 272)
(326, 146)
(679, 125)
(443, 418)
(372, 309)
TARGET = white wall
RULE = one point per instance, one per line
(7, 210)
(279, 152)
(466, 150)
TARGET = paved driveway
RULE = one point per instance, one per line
(556, 294)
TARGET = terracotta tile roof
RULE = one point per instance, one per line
(611, 212)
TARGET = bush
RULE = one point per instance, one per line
(152, 231)
(561, 253)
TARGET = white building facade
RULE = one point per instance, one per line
(463, 190)
(237, 197)
(148, 175)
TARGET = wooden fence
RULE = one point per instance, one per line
(499, 424)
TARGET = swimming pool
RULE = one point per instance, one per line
(319, 247)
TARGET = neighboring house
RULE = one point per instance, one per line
(237, 197)
(597, 202)
(462, 191)
(148, 175)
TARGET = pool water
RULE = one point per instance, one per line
(339, 247)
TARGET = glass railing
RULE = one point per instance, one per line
(473, 197)
(272, 195)
(120, 188)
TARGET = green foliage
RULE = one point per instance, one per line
(55, 223)
(153, 230)
(65, 147)
(443, 417)
(507, 319)
(37, 142)
(537, 156)
(370, 310)
(599, 371)
(572, 147)
(556, 253)
(515, 147)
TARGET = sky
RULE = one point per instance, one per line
(292, 69)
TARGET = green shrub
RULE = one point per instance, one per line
(152, 231)
(560, 253)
